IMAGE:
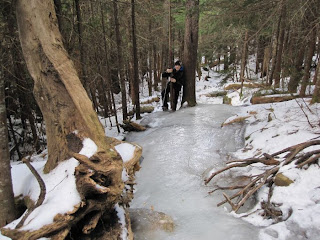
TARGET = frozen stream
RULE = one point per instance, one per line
(177, 149)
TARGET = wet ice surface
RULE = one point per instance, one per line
(177, 149)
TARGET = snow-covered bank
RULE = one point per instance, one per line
(271, 128)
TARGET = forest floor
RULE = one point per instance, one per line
(270, 127)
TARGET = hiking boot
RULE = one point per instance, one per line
(164, 109)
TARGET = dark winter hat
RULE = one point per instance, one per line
(177, 63)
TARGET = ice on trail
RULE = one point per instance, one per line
(178, 149)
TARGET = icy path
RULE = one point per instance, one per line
(177, 149)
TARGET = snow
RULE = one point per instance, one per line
(126, 151)
(181, 149)
(122, 220)
(269, 128)
(61, 193)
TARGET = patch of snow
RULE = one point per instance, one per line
(126, 151)
(122, 220)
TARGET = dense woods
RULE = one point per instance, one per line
(282, 35)
(120, 47)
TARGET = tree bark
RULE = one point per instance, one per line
(84, 73)
(170, 37)
(296, 74)
(316, 93)
(135, 79)
(244, 59)
(68, 114)
(277, 71)
(308, 61)
(120, 62)
(190, 51)
(7, 209)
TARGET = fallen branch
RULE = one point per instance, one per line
(272, 162)
(42, 191)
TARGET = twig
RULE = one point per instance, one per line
(227, 188)
(42, 191)
(301, 107)
(310, 160)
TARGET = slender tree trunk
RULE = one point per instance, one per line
(120, 61)
(316, 93)
(181, 44)
(84, 73)
(225, 60)
(135, 86)
(58, 8)
(155, 67)
(149, 58)
(296, 74)
(277, 71)
(7, 209)
(190, 51)
(308, 61)
(170, 45)
(266, 61)
(275, 47)
(244, 59)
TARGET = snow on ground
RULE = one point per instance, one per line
(270, 127)
(61, 193)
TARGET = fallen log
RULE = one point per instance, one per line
(268, 99)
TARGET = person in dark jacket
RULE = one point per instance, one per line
(176, 75)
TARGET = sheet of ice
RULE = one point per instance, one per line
(126, 151)
(178, 150)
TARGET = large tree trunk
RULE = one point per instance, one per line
(190, 51)
(69, 118)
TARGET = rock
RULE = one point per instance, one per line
(282, 180)
(145, 220)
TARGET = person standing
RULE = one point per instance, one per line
(174, 86)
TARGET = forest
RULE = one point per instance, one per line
(65, 62)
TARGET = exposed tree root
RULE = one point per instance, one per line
(95, 216)
(297, 154)
(42, 191)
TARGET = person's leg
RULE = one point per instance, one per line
(175, 98)
(165, 96)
